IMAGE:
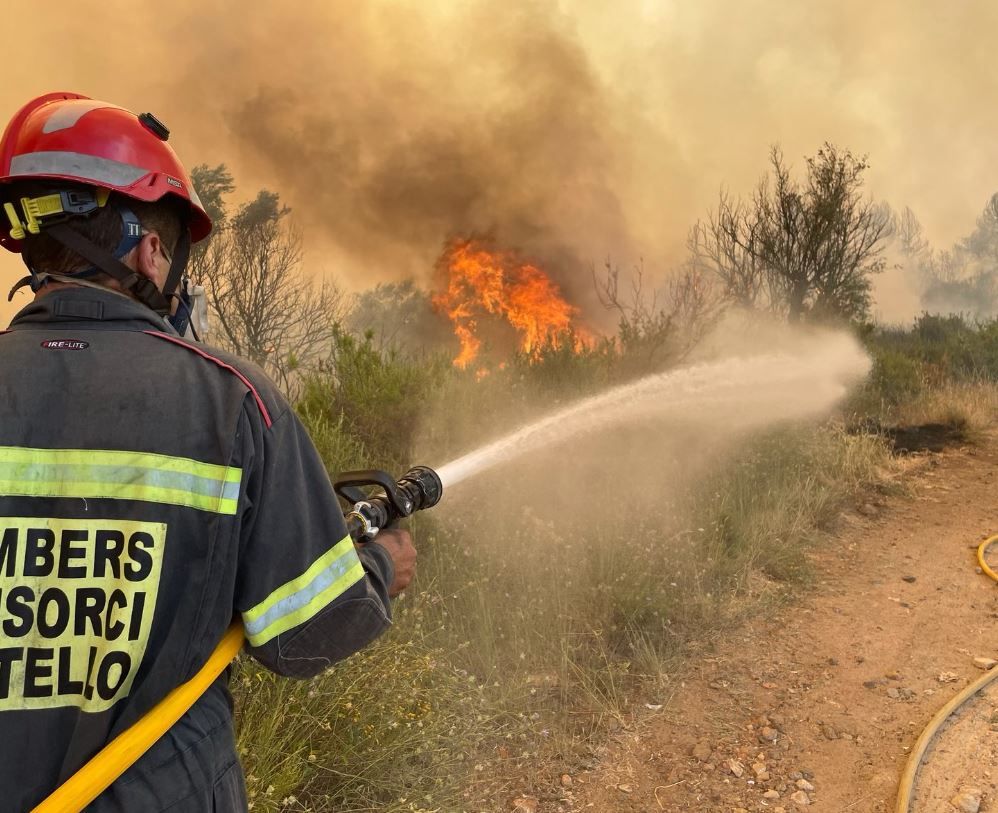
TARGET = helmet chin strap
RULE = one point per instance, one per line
(181, 253)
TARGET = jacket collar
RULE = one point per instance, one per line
(91, 309)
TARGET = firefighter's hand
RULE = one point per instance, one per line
(399, 545)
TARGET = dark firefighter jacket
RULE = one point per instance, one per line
(150, 490)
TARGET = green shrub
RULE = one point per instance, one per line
(376, 396)
(949, 348)
(895, 378)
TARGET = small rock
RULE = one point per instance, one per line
(768, 734)
(702, 750)
(893, 693)
(736, 768)
(985, 663)
(829, 732)
(867, 509)
(967, 800)
(800, 798)
(625, 788)
(525, 804)
(566, 780)
(803, 784)
(771, 795)
(948, 677)
(909, 579)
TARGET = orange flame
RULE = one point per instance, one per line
(483, 282)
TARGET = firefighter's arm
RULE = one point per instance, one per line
(307, 595)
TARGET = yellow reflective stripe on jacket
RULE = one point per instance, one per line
(296, 601)
(119, 475)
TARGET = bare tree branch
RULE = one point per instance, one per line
(266, 307)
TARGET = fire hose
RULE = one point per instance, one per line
(907, 787)
(368, 514)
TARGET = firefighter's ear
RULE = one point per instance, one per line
(151, 259)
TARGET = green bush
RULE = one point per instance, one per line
(895, 377)
(373, 396)
(950, 348)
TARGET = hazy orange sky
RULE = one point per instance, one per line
(574, 130)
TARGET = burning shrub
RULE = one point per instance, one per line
(485, 287)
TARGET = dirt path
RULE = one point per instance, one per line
(825, 699)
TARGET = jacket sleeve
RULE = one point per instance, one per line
(307, 596)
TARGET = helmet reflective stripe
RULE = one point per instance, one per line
(77, 165)
(195, 198)
(65, 116)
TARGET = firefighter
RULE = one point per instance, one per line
(151, 488)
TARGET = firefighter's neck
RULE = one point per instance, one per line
(147, 259)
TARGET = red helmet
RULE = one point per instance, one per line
(66, 136)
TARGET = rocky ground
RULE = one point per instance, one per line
(817, 706)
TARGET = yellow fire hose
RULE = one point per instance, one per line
(907, 786)
(115, 758)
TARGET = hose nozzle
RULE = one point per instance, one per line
(422, 485)
(418, 488)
